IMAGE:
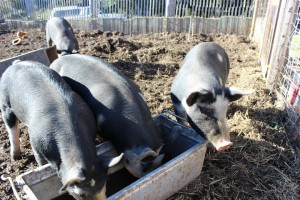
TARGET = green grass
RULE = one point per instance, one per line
(294, 50)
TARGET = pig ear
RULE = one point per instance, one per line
(63, 53)
(204, 96)
(110, 162)
(73, 178)
(148, 156)
(233, 94)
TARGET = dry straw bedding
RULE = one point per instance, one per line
(263, 163)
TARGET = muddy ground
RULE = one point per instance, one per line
(263, 163)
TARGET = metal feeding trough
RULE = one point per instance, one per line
(183, 162)
(43, 55)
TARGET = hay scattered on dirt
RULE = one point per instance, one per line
(261, 165)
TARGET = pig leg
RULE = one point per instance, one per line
(179, 110)
(12, 127)
(49, 41)
(182, 116)
(39, 158)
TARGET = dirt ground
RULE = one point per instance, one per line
(262, 164)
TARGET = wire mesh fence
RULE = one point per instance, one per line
(44, 9)
(289, 84)
(214, 8)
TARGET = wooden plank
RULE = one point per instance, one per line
(160, 24)
(230, 26)
(214, 24)
(170, 24)
(239, 24)
(223, 25)
(208, 25)
(265, 48)
(134, 26)
(201, 25)
(178, 27)
(196, 24)
(248, 25)
(186, 24)
(144, 25)
(155, 25)
(204, 26)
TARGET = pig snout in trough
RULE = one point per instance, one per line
(121, 112)
(199, 94)
(60, 32)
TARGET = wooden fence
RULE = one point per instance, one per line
(138, 16)
(144, 25)
(280, 54)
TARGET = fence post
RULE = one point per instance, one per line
(93, 9)
(170, 8)
(280, 46)
(253, 19)
(29, 8)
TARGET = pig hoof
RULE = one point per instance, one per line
(15, 157)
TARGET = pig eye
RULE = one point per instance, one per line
(127, 161)
(208, 112)
(206, 118)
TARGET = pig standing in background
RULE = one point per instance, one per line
(61, 127)
(120, 110)
(199, 94)
(60, 32)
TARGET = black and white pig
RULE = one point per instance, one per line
(60, 32)
(61, 127)
(121, 112)
(199, 94)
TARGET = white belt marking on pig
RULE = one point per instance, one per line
(92, 183)
(220, 58)
(14, 134)
(142, 96)
(102, 195)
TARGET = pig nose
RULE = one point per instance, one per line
(224, 146)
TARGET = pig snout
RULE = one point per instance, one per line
(220, 140)
(140, 161)
(82, 187)
(224, 142)
(223, 145)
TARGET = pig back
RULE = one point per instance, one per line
(117, 103)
